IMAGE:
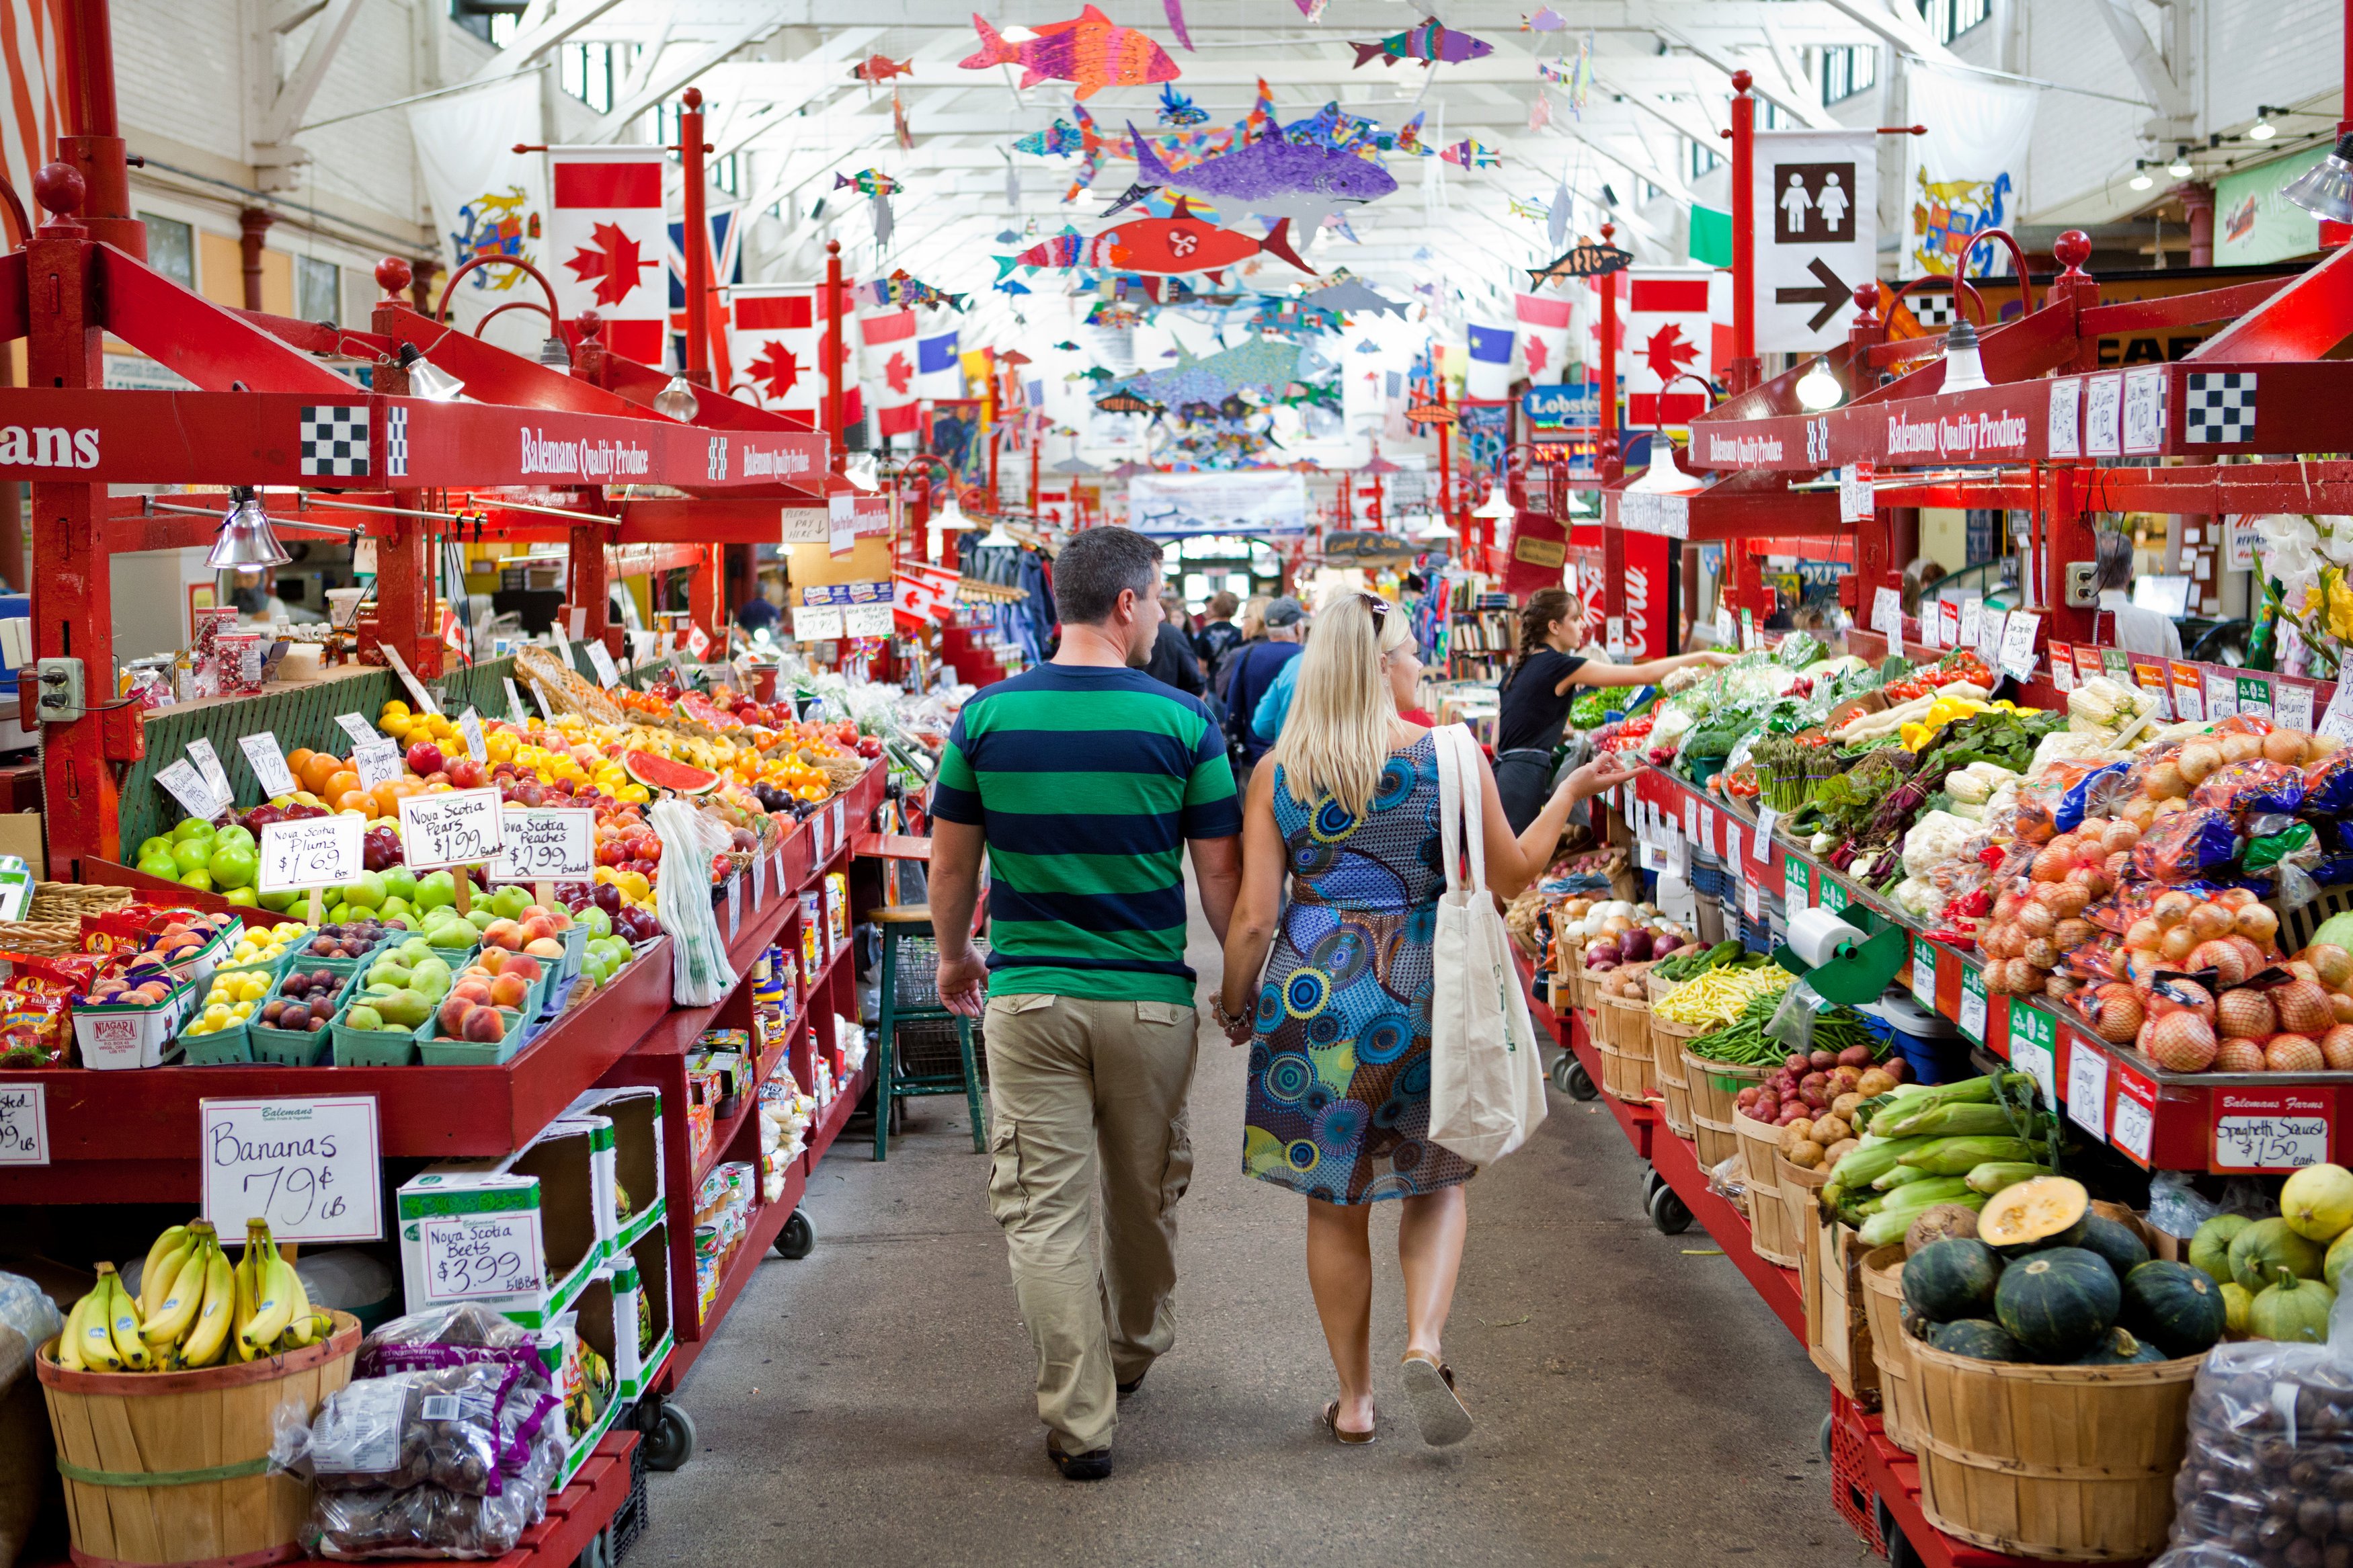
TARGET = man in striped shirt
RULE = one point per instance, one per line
(1084, 779)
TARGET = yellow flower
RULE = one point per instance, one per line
(2340, 602)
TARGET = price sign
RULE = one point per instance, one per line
(1948, 622)
(2063, 666)
(2270, 1128)
(24, 1124)
(2018, 644)
(759, 883)
(1691, 823)
(1795, 882)
(1766, 818)
(549, 846)
(1748, 629)
(2253, 693)
(698, 642)
(209, 764)
(1973, 1005)
(815, 623)
(309, 1166)
(358, 729)
(376, 762)
(1725, 629)
(2034, 1046)
(425, 703)
(2087, 1086)
(2189, 698)
(734, 906)
(461, 827)
(1752, 899)
(268, 764)
(515, 714)
(2222, 695)
(600, 660)
(2338, 721)
(2294, 706)
(1731, 845)
(1972, 619)
(866, 621)
(470, 1257)
(1924, 973)
(469, 725)
(317, 852)
(2148, 674)
(546, 703)
(2135, 1121)
(1855, 491)
(1887, 617)
(188, 787)
(1990, 625)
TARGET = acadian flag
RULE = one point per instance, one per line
(1489, 378)
(889, 337)
(939, 368)
(1544, 335)
(608, 240)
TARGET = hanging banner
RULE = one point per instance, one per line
(606, 238)
(2254, 222)
(1667, 331)
(1485, 429)
(487, 199)
(1247, 502)
(772, 334)
(1962, 177)
(1817, 200)
(1543, 345)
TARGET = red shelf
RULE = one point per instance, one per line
(835, 1116)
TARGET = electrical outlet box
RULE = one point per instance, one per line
(59, 684)
(2083, 585)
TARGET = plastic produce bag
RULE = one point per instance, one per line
(701, 973)
(2187, 844)
(448, 1336)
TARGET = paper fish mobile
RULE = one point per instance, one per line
(1067, 346)
(1277, 177)
(1127, 402)
(1431, 43)
(1472, 154)
(1010, 286)
(1093, 372)
(1519, 208)
(1059, 140)
(1353, 294)
(1089, 50)
(876, 68)
(1545, 20)
(868, 181)
(1176, 109)
(1157, 245)
(904, 289)
(1583, 259)
(1116, 317)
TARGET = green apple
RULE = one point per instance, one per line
(200, 878)
(232, 865)
(435, 891)
(338, 911)
(367, 893)
(399, 883)
(242, 896)
(193, 854)
(279, 901)
(159, 845)
(162, 866)
(192, 827)
(233, 834)
(596, 922)
(363, 1017)
(510, 901)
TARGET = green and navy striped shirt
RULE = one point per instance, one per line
(1087, 781)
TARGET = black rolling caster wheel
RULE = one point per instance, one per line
(1561, 1064)
(1827, 1422)
(670, 1443)
(796, 1240)
(1668, 1213)
(1651, 1183)
(1901, 1554)
(1581, 1082)
(598, 1553)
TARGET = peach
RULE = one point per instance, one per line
(502, 934)
(509, 990)
(544, 947)
(452, 1016)
(535, 927)
(523, 964)
(472, 987)
(484, 1025)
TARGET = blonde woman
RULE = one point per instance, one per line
(1339, 1028)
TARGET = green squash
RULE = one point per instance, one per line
(1951, 1279)
(2114, 1241)
(2333, 1266)
(1975, 1338)
(2259, 1252)
(2209, 1249)
(2174, 1307)
(2056, 1303)
(2117, 1347)
(2030, 1216)
(2292, 1309)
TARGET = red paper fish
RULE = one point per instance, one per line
(1091, 50)
(1172, 245)
(880, 67)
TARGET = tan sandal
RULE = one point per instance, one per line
(1341, 1433)
(1437, 1410)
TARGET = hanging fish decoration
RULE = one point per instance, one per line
(1010, 286)
(1432, 42)
(1175, 10)
(1067, 346)
(1089, 50)
(1313, 9)
(1059, 140)
(1176, 109)
(1545, 20)
(875, 70)
(1556, 220)
(905, 138)
(1472, 154)
(868, 181)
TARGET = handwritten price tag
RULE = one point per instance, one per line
(416, 688)
(546, 703)
(600, 660)
(2018, 644)
(1972, 619)
(358, 729)
(378, 762)
(2087, 1087)
(2132, 1126)
(2295, 711)
(458, 828)
(1765, 821)
(2270, 1143)
(1887, 617)
(309, 1167)
(553, 846)
(474, 1257)
(2221, 695)
(734, 906)
(268, 764)
(759, 883)
(318, 852)
(469, 725)
(515, 714)
(209, 764)
(188, 787)
(24, 1124)
(1731, 845)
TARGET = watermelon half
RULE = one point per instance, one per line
(698, 709)
(662, 772)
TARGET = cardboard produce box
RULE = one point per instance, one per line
(635, 1166)
(518, 1234)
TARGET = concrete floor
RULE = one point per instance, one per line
(1637, 1406)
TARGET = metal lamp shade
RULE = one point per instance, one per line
(247, 541)
(2325, 190)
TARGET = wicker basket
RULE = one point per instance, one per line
(1891, 1344)
(1772, 1237)
(52, 923)
(1667, 1041)
(1714, 1087)
(1623, 1038)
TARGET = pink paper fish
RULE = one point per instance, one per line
(1090, 49)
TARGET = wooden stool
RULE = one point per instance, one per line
(898, 923)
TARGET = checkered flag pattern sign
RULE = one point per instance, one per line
(334, 441)
(395, 443)
(2221, 407)
(1931, 309)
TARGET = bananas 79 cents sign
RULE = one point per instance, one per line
(310, 1167)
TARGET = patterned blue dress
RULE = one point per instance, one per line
(1339, 1069)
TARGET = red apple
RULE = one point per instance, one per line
(424, 758)
(465, 773)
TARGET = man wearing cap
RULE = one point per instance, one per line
(1259, 663)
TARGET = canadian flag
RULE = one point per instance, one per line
(772, 337)
(608, 240)
(1544, 336)
(1668, 330)
(891, 365)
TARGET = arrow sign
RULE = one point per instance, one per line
(1832, 294)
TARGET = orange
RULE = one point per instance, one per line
(342, 781)
(387, 796)
(296, 758)
(356, 799)
(317, 769)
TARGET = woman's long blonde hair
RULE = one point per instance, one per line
(1336, 738)
(1254, 616)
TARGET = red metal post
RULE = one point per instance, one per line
(1606, 443)
(403, 562)
(835, 363)
(91, 144)
(1744, 373)
(2066, 524)
(698, 251)
(252, 226)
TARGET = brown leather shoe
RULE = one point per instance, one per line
(1437, 1410)
(1094, 1465)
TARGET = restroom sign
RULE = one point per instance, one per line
(1816, 195)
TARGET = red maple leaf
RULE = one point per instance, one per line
(612, 264)
(1668, 353)
(1537, 355)
(898, 371)
(776, 369)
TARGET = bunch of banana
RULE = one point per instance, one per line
(274, 1314)
(192, 1309)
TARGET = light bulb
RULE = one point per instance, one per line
(2141, 180)
(1497, 506)
(2180, 168)
(2263, 129)
(1818, 389)
(1964, 369)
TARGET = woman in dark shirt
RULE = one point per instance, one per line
(1536, 695)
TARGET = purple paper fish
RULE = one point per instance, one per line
(1431, 42)
(1175, 9)
(1091, 50)
(1276, 176)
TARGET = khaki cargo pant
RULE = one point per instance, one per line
(1087, 1117)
